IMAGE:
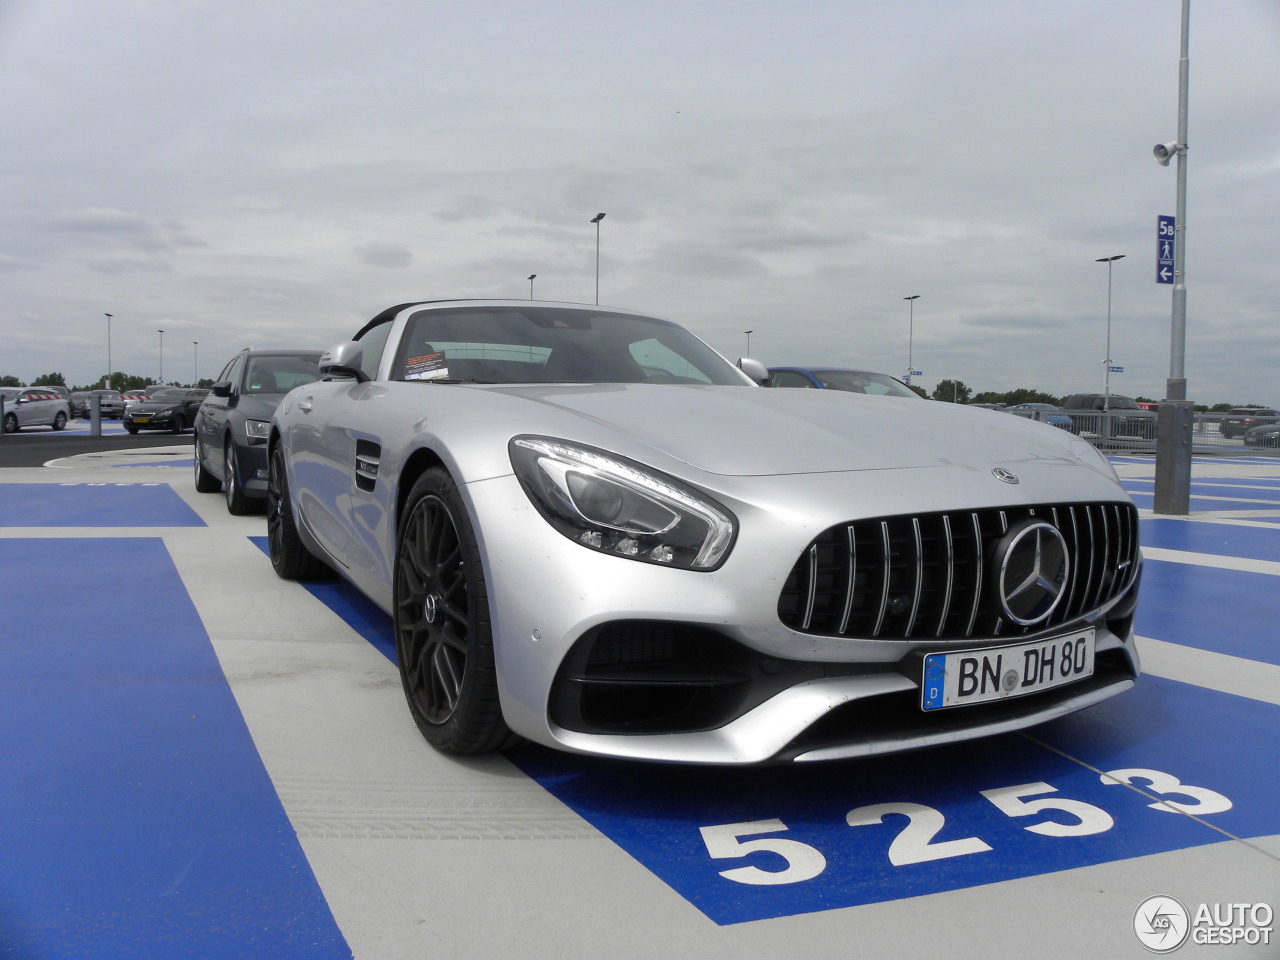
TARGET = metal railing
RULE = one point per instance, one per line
(1129, 431)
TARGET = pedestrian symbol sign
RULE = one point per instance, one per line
(1166, 243)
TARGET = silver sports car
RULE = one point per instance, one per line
(594, 532)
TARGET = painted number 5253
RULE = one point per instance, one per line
(915, 842)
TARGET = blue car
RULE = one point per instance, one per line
(851, 381)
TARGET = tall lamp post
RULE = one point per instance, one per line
(1177, 414)
(1106, 363)
(748, 333)
(195, 363)
(107, 383)
(161, 332)
(911, 333)
(596, 220)
(531, 278)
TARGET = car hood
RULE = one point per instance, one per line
(741, 431)
(155, 406)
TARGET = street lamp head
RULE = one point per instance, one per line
(597, 218)
(1118, 256)
(913, 297)
(1164, 152)
(532, 275)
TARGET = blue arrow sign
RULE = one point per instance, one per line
(1166, 244)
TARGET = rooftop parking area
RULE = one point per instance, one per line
(202, 759)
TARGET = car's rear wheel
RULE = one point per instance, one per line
(60, 421)
(444, 641)
(289, 555)
(11, 423)
(237, 503)
(206, 482)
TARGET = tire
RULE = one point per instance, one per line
(238, 505)
(290, 557)
(133, 431)
(444, 640)
(11, 423)
(206, 482)
(60, 421)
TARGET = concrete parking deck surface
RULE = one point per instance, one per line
(202, 760)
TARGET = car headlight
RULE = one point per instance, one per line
(257, 429)
(615, 506)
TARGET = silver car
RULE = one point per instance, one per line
(33, 407)
(594, 532)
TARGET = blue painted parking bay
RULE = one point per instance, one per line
(153, 809)
(138, 820)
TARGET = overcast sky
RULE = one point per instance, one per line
(274, 172)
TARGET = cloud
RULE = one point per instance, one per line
(378, 253)
(126, 229)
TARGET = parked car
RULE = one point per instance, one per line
(1266, 435)
(110, 404)
(131, 397)
(1124, 416)
(850, 381)
(1240, 420)
(33, 407)
(592, 531)
(1043, 412)
(79, 401)
(233, 420)
(172, 408)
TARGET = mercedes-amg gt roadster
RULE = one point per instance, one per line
(594, 532)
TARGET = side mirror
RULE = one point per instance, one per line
(221, 389)
(753, 369)
(343, 361)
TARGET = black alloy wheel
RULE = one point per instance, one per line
(290, 557)
(444, 641)
(11, 423)
(238, 505)
(60, 421)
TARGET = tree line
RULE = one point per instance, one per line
(948, 391)
(118, 381)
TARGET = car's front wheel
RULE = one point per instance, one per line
(60, 421)
(290, 557)
(444, 641)
(237, 503)
(206, 482)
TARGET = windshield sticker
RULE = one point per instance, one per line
(429, 366)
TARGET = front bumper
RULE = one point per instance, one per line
(603, 655)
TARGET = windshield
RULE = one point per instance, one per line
(551, 345)
(856, 381)
(281, 373)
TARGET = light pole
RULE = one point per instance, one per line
(596, 220)
(195, 363)
(1106, 364)
(161, 332)
(748, 333)
(1177, 415)
(911, 333)
(531, 276)
(107, 383)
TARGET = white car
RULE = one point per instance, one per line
(33, 407)
(594, 532)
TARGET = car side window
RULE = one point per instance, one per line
(788, 378)
(374, 342)
(232, 372)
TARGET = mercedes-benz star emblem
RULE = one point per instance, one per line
(1032, 573)
(1008, 476)
(430, 608)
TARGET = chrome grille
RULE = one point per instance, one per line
(926, 576)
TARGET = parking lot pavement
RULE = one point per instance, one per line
(204, 760)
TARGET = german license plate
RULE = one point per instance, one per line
(963, 677)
